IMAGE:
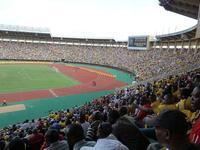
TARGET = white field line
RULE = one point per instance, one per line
(53, 93)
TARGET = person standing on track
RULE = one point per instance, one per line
(94, 83)
(4, 103)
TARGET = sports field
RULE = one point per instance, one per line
(29, 77)
(34, 89)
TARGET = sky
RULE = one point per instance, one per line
(116, 19)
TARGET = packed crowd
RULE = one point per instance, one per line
(147, 64)
(152, 116)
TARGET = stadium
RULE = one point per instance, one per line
(49, 82)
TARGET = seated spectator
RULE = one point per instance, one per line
(104, 130)
(92, 130)
(2, 145)
(140, 114)
(17, 144)
(126, 132)
(75, 137)
(85, 125)
(106, 141)
(113, 115)
(36, 140)
(171, 131)
(167, 103)
(194, 135)
(52, 138)
(123, 111)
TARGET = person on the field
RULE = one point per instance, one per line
(94, 83)
(4, 103)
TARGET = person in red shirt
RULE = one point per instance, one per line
(36, 140)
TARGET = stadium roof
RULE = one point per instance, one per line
(83, 40)
(187, 8)
(15, 28)
(185, 34)
(32, 33)
(11, 31)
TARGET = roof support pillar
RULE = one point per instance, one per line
(182, 44)
(175, 44)
(189, 46)
(198, 25)
(196, 45)
(168, 44)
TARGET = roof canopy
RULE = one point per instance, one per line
(187, 8)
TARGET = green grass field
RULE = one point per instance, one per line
(28, 77)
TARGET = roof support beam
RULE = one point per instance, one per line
(198, 25)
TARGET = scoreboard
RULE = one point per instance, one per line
(138, 43)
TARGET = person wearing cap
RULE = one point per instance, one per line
(171, 131)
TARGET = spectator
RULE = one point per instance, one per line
(85, 125)
(113, 115)
(75, 137)
(195, 103)
(36, 140)
(17, 144)
(171, 131)
(4, 103)
(105, 141)
(104, 130)
(127, 133)
(52, 138)
(92, 130)
(2, 145)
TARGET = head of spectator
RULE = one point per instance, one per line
(82, 118)
(17, 144)
(171, 129)
(55, 126)
(126, 132)
(168, 99)
(113, 115)
(184, 93)
(74, 134)
(96, 116)
(197, 80)
(123, 111)
(104, 130)
(76, 138)
(51, 136)
(195, 100)
(2, 144)
(143, 100)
